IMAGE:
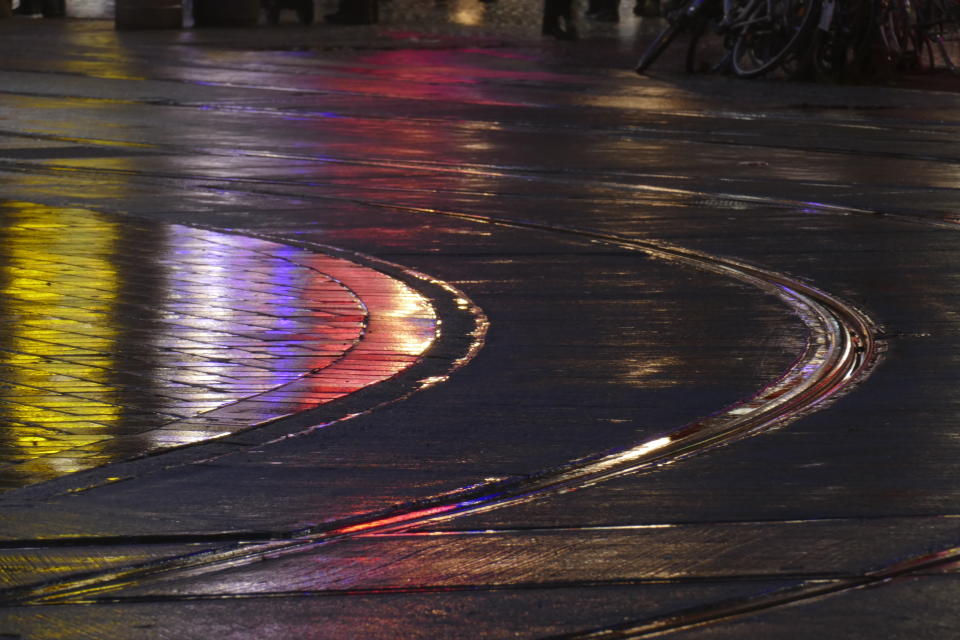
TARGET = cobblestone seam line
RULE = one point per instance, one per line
(126, 338)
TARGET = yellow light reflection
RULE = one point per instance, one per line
(106, 58)
(417, 326)
(119, 341)
(651, 372)
(467, 12)
(643, 449)
(59, 286)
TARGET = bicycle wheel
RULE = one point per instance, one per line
(677, 21)
(841, 42)
(766, 43)
(658, 46)
(947, 42)
(899, 34)
(709, 48)
(940, 28)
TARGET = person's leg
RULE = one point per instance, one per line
(558, 19)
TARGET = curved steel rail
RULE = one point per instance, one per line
(842, 349)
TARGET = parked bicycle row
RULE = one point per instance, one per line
(813, 39)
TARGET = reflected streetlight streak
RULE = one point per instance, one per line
(123, 340)
(40, 293)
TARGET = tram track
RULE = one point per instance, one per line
(666, 126)
(643, 182)
(622, 182)
(734, 608)
(845, 344)
(842, 349)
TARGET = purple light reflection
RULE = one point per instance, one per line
(176, 335)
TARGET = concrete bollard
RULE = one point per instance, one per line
(226, 13)
(149, 14)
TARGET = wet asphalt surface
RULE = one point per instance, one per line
(377, 332)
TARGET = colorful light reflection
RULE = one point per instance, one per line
(124, 338)
(58, 289)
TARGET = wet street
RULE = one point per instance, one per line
(441, 329)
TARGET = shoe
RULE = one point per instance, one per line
(553, 28)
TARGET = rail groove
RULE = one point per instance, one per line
(842, 349)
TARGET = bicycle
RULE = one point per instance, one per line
(920, 35)
(842, 44)
(938, 24)
(758, 35)
(679, 20)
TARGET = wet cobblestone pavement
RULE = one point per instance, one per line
(124, 339)
(439, 329)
